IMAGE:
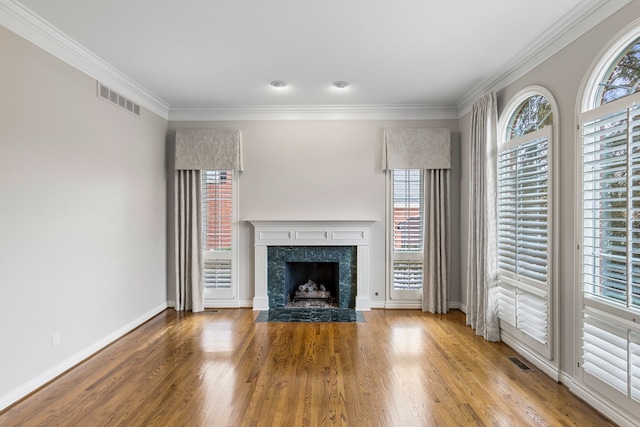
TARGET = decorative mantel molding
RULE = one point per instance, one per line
(311, 233)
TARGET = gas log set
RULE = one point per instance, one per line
(312, 294)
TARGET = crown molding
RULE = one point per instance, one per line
(22, 21)
(578, 21)
(313, 112)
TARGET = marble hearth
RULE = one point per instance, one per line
(345, 242)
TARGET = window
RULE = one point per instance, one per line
(611, 206)
(610, 135)
(610, 224)
(218, 218)
(407, 222)
(524, 220)
(623, 77)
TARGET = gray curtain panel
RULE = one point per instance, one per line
(188, 233)
(435, 292)
(482, 259)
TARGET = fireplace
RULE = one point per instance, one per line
(311, 284)
(289, 267)
(280, 242)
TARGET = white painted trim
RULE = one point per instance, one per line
(456, 305)
(403, 305)
(412, 305)
(37, 382)
(221, 303)
(574, 24)
(542, 363)
(602, 404)
(462, 308)
(378, 304)
(552, 292)
(600, 66)
(24, 22)
(311, 233)
(313, 112)
(245, 303)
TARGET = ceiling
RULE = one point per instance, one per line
(224, 53)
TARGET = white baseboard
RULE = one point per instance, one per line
(413, 305)
(220, 303)
(37, 382)
(606, 407)
(400, 305)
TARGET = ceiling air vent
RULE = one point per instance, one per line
(114, 97)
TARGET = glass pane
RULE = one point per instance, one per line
(523, 210)
(534, 113)
(217, 219)
(623, 77)
(605, 207)
(407, 210)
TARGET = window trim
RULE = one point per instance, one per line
(400, 298)
(549, 352)
(231, 298)
(585, 299)
(588, 91)
(587, 108)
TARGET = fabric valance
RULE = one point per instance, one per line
(416, 148)
(208, 149)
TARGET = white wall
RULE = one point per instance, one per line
(82, 217)
(320, 170)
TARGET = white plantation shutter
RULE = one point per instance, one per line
(634, 354)
(523, 208)
(610, 197)
(217, 202)
(532, 318)
(507, 304)
(217, 273)
(610, 267)
(218, 218)
(408, 229)
(604, 352)
(407, 274)
(524, 214)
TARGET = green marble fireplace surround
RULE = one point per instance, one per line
(344, 256)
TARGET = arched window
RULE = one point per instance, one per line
(610, 178)
(609, 218)
(623, 76)
(525, 219)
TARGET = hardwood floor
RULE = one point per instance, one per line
(399, 368)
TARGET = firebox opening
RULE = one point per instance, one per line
(311, 284)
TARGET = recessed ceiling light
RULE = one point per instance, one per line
(278, 83)
(340, 84)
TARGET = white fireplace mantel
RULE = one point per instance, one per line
(312, 233)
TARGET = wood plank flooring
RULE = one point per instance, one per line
(220, 368)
